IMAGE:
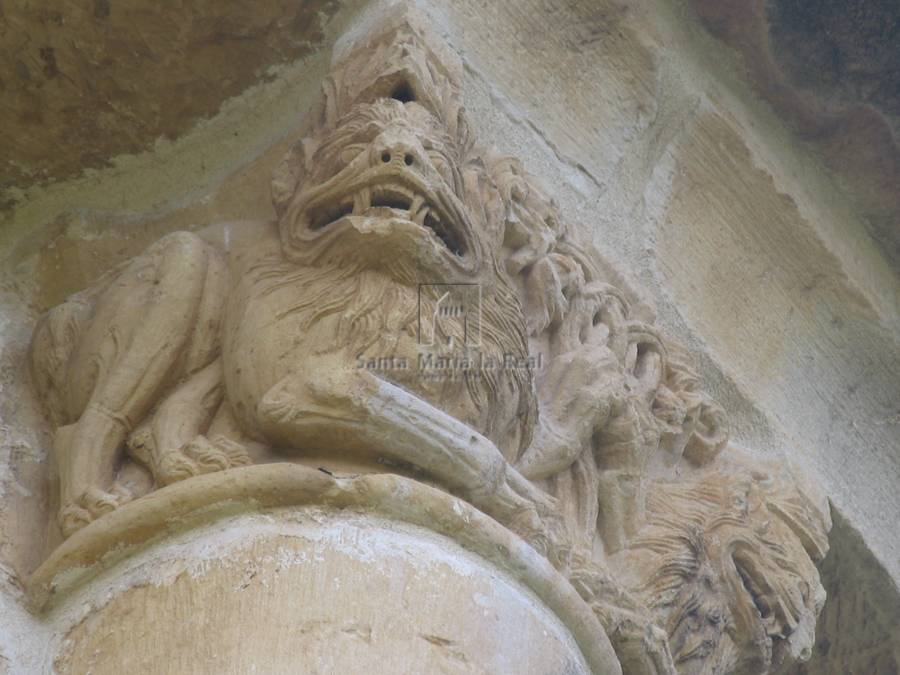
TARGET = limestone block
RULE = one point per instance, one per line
(280, 568)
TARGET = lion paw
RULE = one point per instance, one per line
(559, 545)
(218, 454)
(92, 504)
(72, 518)
(208, 457)
(235, 453)
(174, 466)
(201, 456)
(545, 532)
(529, 527)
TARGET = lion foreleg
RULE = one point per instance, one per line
(358, 411)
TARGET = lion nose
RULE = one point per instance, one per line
(398, 151)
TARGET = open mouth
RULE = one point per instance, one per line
(390, 200)
(760, 593)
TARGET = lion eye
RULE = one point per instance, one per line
(351, 152)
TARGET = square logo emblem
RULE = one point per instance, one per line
(450, 315)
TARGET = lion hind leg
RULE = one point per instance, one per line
(54, 342)
(141, 348)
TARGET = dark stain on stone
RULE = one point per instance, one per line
(831, 71)
(856, 631)
(101, 9)
(94, 89)
(50, 16)
(22, 71)
(48, 58)
(847, 51)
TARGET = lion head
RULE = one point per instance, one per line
(388, 176)
(387, 188)
(726, 563)
(386, 201)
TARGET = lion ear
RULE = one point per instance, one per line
(290, 173)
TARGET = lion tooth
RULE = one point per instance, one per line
(419, 216)
(362, 200)
(417, 202)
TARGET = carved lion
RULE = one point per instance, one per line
(185, 354)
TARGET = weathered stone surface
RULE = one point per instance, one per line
(655, 154)
(314, 555)
(83, 82)
(830, 70)
(349, 594)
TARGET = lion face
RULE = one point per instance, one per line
(380, 209)
(733, 577)
(385, 189)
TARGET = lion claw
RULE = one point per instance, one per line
(72, 518)
(235, 453)
(207, 457)
(201, 456)
(175, 466)
(91, 505)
